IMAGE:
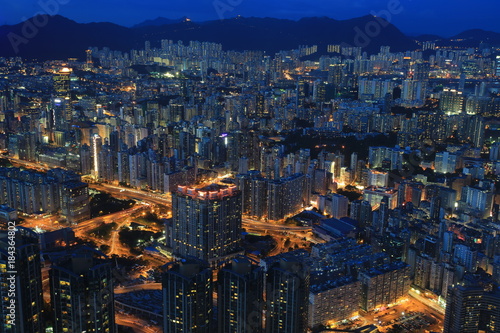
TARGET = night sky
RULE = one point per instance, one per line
(443, 17)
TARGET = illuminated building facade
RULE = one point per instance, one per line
(345, 292)
(206, 222)
(287, 296)
(187, 297)
(384, 285)
(240, 297)
(472, 309)
(81, 287)
(374, 196)
(452, 101)
(75, 201)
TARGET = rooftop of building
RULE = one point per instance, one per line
(328, 284)
(209, 192)
(396, 265)
(379, 189)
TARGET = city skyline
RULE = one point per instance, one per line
(445, 18)
(249, 174)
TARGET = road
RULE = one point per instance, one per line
(92, 223)
(255, 224)
(137, 324)
(159, 199)
(428, 302)
(280, 232)
(138, 287)
(130, 193)
(30, 165)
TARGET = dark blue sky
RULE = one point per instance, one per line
(444, 17)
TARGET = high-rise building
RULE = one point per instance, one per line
(377, 156)
(381, 216)
(187, 297)
(475, 130)
(466, 257)
(422, 271)
(240, 297)
(478, 198)
(452, 101)
(413, 92)
(445, 162)
(421, 71)
(374, 89)
(61, 80)
(472, 309)
(384, 284)
(95, 149)
(319, 91)
(89, 63)
(334, 300)
(20, 282)
(81, 290)
(301, 92)
(374, 196)
(378, 178)
(336, 75)
(75, 201)
(361, 211)
(495, 151)
(260, 106)
(340, 205)
(254, 194)
(206, 222)
(287, 293)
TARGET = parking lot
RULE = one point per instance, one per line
(409, 315)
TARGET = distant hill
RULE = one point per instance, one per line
(61, 38)
(478, 35)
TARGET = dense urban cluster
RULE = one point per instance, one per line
(365, 179)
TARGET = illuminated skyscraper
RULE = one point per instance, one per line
(301, 92)
(287, 294)
(89, 64)
(452, 101)
(336, 75)
(206, 222)
(75, 201)
(472, 309)
(340, 205)
(260, 106)
(445, 162)
(476, 130)
(62, 88)
(81, 286)
(187, 297)
(240, 292)
(61, 81)
(95, 149)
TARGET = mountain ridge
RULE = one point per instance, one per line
(61, 38)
